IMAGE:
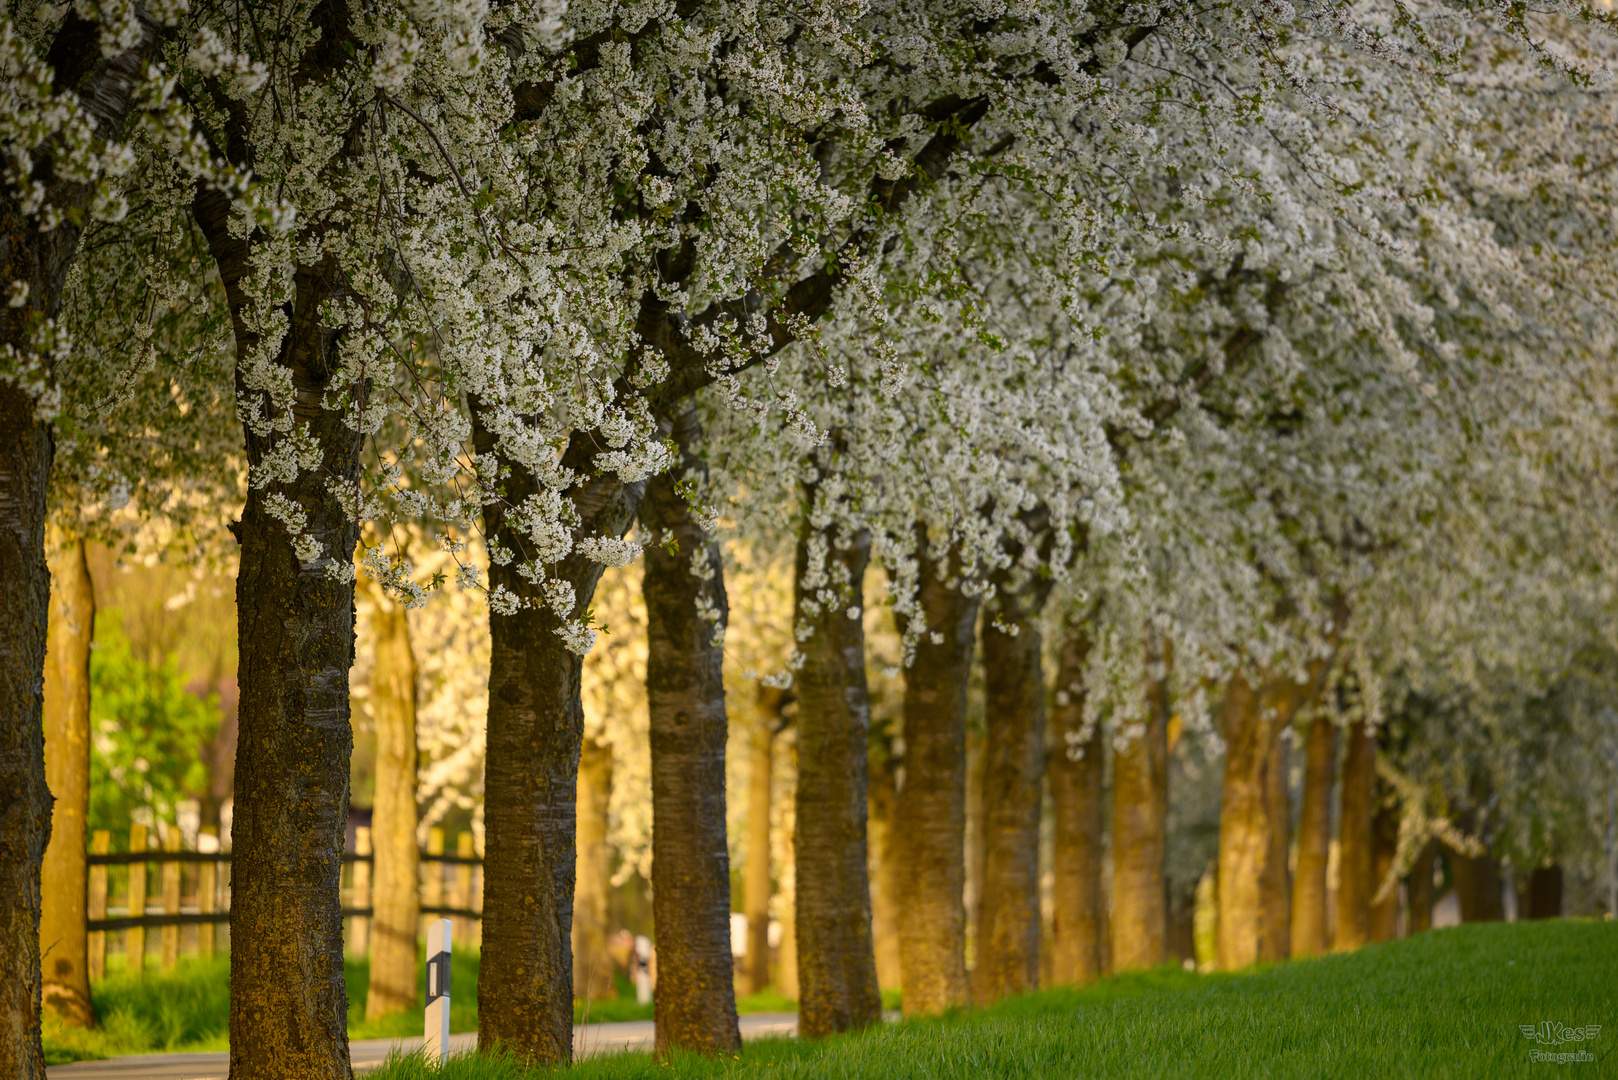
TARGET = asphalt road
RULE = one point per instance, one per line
(369, 1053)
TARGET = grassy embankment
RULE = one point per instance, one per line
(1444, 1004)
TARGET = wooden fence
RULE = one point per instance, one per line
(190, 905)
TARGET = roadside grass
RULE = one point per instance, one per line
(1444, 1004)
(188, 1009)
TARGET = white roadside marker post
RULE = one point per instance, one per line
(436, 1042)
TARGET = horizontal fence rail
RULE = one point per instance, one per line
(193, 892)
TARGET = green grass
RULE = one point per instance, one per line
(1445, 1004)
(188, 1009)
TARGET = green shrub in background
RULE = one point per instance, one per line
(147, 733)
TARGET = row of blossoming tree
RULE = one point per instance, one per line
(1255, 352)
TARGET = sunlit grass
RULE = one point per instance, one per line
(1444, 1004)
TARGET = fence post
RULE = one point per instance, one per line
(96, 946)
(135, 936)
(462, 897)
(171, 899)
(207, 887)
(436, 1036)
(360, 944)
(433, 894)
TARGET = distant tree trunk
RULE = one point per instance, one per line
(786, 977)
(395, 875)
(836, 962)
(1420, 884)
(1477, 886)
(1545, 892)
(685, 689)
(1014, 710)
(1139, 812)
(973, 895)
(1243, 827)
(1276, 904)
(41, 260)
(757, 883)
(535, 732)
(884, 870)
(1182, 934)
(592, 966)
(1384, 846)
(1309, 933)
(1356, 867)
(63, 938)
(1076, 779)
(931, 815)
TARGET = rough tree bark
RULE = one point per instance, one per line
(836, 961)
(1309, 936)
(592, 967)
(756, 886)
(395, 880)
(931, 815)
(1275, 906)
(1355, 883)
(1014, 712)
(1076, 779)
(884, 865)
(1139, 811)
(535, 731)
(105, 85)
(63, 938)
(685, 688)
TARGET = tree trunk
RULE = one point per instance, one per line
(786, 978)
(535, 729)
(1477, 886)
(395, 877)
(685, 689)
(1014, 711)
(1420, 885)
(1355, 882)
(836, 962)
(1309, 935)
(40, 259)
(756, 896)
(1243, 827)
(1276, 904)
(1076, 779)
(63, 938)
(592, 967)
(1384, 846)
(1139, 811)
(1545, 892)
(931, 814)
(884, 870)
